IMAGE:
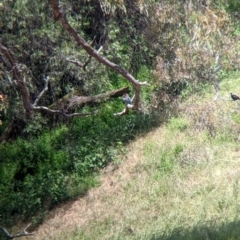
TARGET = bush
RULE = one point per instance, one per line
(38, 173)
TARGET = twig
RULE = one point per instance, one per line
(89, 59)
(59, 112)
(77, 63)
(19, 233)
(42, 92)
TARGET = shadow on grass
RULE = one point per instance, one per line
(230, 231)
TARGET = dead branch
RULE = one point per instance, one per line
(17, 75)
(89, 59)
(59, 16)
(45, 88)
(30, 108)
(84, 65)
(73, 99)
(63, 113)
(77, 63)
(19, 233)
(124, 112)
(81, 100)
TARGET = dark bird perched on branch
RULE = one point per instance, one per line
(234, 97)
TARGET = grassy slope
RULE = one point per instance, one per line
(181, 181)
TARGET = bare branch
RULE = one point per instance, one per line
(19, 233)
(42, 92)
(63, 113)
(77, 63)
(124, 112)
(83, 65)
(6, 233)
(81, 100)
(80, 64)
(19, 80)
(30, 108)
(92, 42)
(89, 59)
(144, 83)
(215, 97)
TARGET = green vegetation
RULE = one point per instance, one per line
(176, 158)
(38, 173)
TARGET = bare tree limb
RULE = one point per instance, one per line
(62, 112)
(19, 233)
(59, 16)
(89, 59)
(19, 80)
(124, 112)
(77, 63)
(80, 100)
(83, 65)
(30, 108)
(45, 88)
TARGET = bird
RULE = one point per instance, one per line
(234, 97)
(127, 100)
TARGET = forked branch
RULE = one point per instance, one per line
(84, 65)
(45, 88)
(20, 233)
(28, 105)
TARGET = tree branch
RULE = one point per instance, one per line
(124, 112)
(30, 108)
(62, 112)
(45, 88)
(19, 233)
(19, 80)
(83, 65)
(81, 100)
(77, 63)
(59, 16)
(89, 59)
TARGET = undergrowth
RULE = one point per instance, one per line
(39, 173)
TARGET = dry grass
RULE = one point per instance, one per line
(180, 181)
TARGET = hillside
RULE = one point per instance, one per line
(110, 126)
(180, 181)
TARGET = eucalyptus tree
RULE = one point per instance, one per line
(40, 58)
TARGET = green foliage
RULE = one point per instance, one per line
(40, 172)
(233, 6)
(49, 167)
(39, 177)
(191, 47)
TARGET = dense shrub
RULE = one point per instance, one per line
(40, 172)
